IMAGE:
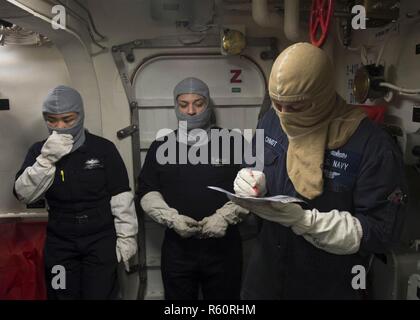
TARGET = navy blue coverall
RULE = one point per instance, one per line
(81, 235)
(364, 177)
(187, 264)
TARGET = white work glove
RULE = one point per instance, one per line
(126, 227)
(155, 206)
(287, 214)
(57, 146)
(38, 178)
(185, 226)
(126, 249)
(215, 225)
(250, 183)
(336, 232)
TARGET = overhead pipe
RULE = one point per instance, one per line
(264, 18)
(291, 19)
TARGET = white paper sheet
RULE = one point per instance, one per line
(279, 198)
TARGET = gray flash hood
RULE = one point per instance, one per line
(63, 99)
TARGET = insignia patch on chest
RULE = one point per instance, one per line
(331, 174)
(93, 164)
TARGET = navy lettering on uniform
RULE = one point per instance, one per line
(340, 169)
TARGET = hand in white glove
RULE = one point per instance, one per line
(125, 221)
(287, 214)
(57, 146)
(214, 226)
(126, 249)
(38, 178)
(185, 226)
(157, 208)
(336, 232)
(250, 182)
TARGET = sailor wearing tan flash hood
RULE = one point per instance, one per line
(333, 157)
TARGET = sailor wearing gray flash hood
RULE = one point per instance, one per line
(62, 100)
(92, 221)
(202, 245)
(189, 120)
